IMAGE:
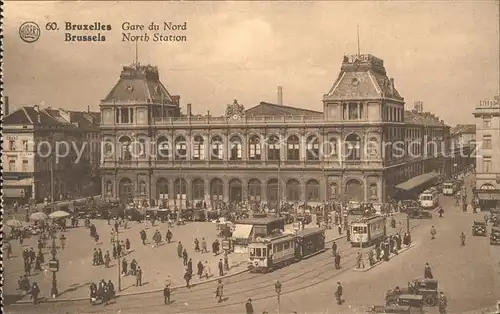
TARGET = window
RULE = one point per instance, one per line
(293, 148)
(313, 191)
(142, 147)
(180, 148)
(353, 111)
(312, 148)
(254, 148)
(25, 166)
(217, 148)
(487, 164)
(12, 145)
(124, 115)
(12, 165)
(235, 148)
(487, 141)
(199, 148)
(273, 151)
(486, 122)
(258, 252)
(353, 147)
(344, 112)
(25, 145)
(331, 147)
(286, 246)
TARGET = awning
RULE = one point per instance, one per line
(486, 195)
(417, 181)
(242, 231)
(13, 193)
(22, 182)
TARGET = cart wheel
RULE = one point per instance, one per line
(430, 300)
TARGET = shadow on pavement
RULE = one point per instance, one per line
(75, 287)
(9, 299)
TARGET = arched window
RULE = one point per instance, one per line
(293, 191)
(180, 148)
(125, 190)
(236, 147)
(312, 191)
(331, 148)
(198, 148)
(254, 149)
(273, 150)
(162, 188)
(353, 147)
(217, 148)
(216, 189)
(163, 148)
(254, 190)
(293, 148)
(180, 189)
(198, 189)
(125, 153)
(312, 148)
(272, 191)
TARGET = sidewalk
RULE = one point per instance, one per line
(377, 263)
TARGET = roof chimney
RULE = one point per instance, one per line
(37, 110)
(280, 96)
(189, 110)
(88, 108)
(6, 105)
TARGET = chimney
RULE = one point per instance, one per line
(189, 110)
(280, 96)
(88, 108)
(6, 105)
(37, 109)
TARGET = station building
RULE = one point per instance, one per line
(269, 152)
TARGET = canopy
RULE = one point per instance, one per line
(13, 193)
(14, 223)
(417, 181)
(38, 216)
(59, 214)
(242, 231)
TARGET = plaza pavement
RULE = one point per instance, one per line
(76, 270)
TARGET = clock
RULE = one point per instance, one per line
(235, 117)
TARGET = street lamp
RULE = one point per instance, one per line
(54, 268)
(277, 288)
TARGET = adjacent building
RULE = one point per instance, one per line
(487, 188)
(31, 136)
(356, 148)
(463, 145)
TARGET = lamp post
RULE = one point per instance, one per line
(277, 288)
(54, 268)
(119, 263)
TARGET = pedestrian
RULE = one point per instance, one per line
(338, 293)
(462, 239)
(119, 249)
(142, 234)
(35, 291)
(138, 277)
(169, 236)
(112, 237)
(221, 268)
(133, 267)
(95, 258)
(334, 248)
(190, 267)
(337, 261)
(339, 228)
(428, 272)
(184, 257)
(219, 291)
(107, 259)
(100, 257)
(360, 262)
(187, 278)
(249, 307)
(441, 212)
(179, 249)
(200, 269)
(115, 251)
(127, 245)
(166, 294)
(8, 247)
(196, 245)
(433, 233)
(203, 246)
(443, 303)
(124, 267)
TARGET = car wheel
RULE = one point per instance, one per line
(429, 301)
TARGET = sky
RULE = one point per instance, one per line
(445, 54)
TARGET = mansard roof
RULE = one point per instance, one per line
(363, 77)
(463, 129)
(269, 109)
(140, 83)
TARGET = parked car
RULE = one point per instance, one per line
(427, 288)
(418, 213)
(479, 228)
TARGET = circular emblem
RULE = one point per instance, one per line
(235, 117)
(29, 32)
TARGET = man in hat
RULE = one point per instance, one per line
(249, 307)
(166, 292)
(338, 293)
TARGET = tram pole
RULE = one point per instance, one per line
(277, 288)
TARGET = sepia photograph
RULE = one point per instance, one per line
(252, 157)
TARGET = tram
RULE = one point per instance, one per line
(367, 230)
(280, 250)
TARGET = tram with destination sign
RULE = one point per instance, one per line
(367, 230)
(280, 249)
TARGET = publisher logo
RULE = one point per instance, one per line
(29, 32)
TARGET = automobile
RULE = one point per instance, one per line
(410, 300)
(375, 309)
(495, 236)
(479, 228)
(408, 204)
(418, 213)
(287, 216)
(427, 288)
